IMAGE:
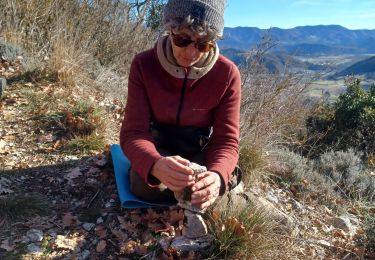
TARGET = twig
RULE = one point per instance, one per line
(93, 198)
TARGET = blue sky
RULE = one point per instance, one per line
(353, 14)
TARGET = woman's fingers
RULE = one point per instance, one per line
(171, 172)
(179, 164)
(206, 190)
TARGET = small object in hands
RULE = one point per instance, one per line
(3, 84)
(195, 234)
(184, 197)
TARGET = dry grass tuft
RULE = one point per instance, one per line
(240, 233)
(272, 109)
(74, 40)
(22, 206)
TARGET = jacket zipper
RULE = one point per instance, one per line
(182, 97)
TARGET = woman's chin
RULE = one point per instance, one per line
(186, 63)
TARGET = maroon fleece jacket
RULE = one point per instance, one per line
(155, 95)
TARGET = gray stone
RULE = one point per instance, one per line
(298, 206)
(346, 223)
(187, 244)
(88, 226)
(272, 198)
(285, 223)
(3, 84)
(165, 242)
(240, 188)
(34, 249)
(110, 204)
(35, 235)
(99, 220)
(324, 243)
(195, 226)
(84, 255)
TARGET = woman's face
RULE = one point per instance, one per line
(189, 55)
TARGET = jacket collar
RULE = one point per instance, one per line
(168, 62)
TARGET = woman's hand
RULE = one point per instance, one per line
(206, 189)
(173, 172)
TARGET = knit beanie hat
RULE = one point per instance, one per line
(210, 11)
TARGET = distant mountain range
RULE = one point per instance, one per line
(303, 40)
(330, 49)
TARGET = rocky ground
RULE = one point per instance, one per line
(68, 207)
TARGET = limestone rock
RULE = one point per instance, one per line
(35, 235)
(88, 226)
(347, 223)
(186, 244)
(195, 225)
(285, 222)
(34, 249)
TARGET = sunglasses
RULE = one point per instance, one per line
(181, 41)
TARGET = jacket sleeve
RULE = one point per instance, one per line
(135, 137)
(222, 154)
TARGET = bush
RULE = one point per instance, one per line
(369, 225)
(349, 123)
(347, 172)
(9, 52)
(297, 173)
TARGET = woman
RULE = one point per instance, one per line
(183, 105)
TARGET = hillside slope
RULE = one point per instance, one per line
(365, 67)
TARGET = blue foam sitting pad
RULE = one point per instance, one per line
(128, 199)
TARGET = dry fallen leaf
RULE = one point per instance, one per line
(100, 247)
(141, 250)
(120, 235)
(151, 215)
(128, 247)
(100, 161)
(238, 228)
(68, 219)
(339, 233)
(175, 216)
(215, 215)
(73, 173)
(100, 231)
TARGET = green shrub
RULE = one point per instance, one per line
(349, 123)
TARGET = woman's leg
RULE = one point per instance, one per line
(158, 194)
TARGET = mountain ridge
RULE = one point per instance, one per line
(319, 39)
